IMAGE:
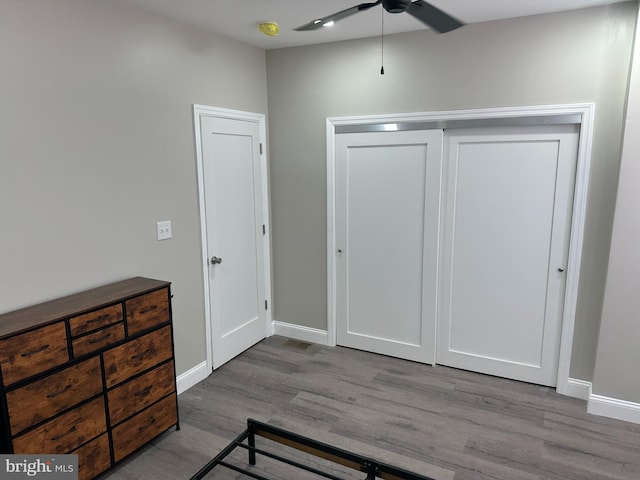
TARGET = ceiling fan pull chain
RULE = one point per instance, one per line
(382, 44)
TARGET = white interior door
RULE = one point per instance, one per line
(387, 204)
(507, 215)
(233, 178)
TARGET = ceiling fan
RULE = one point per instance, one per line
(428, 14)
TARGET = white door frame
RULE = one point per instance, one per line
(585, 111)
(200, 111)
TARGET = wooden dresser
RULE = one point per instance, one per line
(92, 373)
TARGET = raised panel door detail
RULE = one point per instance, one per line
(95, 320)
(385, 264)
(136, 356)
(147, 311)
(501, 237)
(233, 186)
(145, 426)
(66, 432)
(141, 392)
(232, 177)
(508, 219)
(45, 398)
(387, 201)
(32, 352)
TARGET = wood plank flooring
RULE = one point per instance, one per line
(437, 421)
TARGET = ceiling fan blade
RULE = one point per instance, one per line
(433, 17)
(320, 22)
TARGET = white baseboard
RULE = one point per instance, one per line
(577, 388)
(614, 408)
(192, 376)
(299, 332)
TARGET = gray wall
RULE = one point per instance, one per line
(96, 145)
(616, 370)
(579, 56)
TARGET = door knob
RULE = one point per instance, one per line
(560, 269)
(216, 260)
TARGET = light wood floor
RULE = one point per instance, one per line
(437, 421)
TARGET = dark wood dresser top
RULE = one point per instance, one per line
(60, 308)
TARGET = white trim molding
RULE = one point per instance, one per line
(299, 332)
(614, 408)
(578, 389)
(584, 112)
(192, 376)
(200, 111)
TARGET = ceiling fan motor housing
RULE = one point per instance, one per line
(395, 6)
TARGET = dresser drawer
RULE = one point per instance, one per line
(147, 310)
(32, 352)
(93, 458)
(65, 433)
(98, 340)
(145, 426)
(138, 394)
(136, 356)
(40, 400)
(88, 322)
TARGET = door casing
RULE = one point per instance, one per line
(531, 115)
(200, 111)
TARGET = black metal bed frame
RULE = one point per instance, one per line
(372, 468)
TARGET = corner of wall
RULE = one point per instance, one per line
(576, 388)
(302, 333)
(192, 376)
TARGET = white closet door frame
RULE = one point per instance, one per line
(531, 115)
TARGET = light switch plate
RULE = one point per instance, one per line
(164, 230)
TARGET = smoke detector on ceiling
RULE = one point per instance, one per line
(269, 28)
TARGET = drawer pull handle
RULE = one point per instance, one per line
(141, 355)
(60, 392)
(149, 309)
(33, 352)
(98, 340)
(151, 421)
(58, 437)
(144, 392)
(99, 318)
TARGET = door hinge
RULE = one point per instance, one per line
(266, 305)
(264, 229)
(261, 149)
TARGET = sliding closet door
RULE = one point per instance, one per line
(387, 210)
(507, 213)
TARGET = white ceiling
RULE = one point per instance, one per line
(238, 19)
